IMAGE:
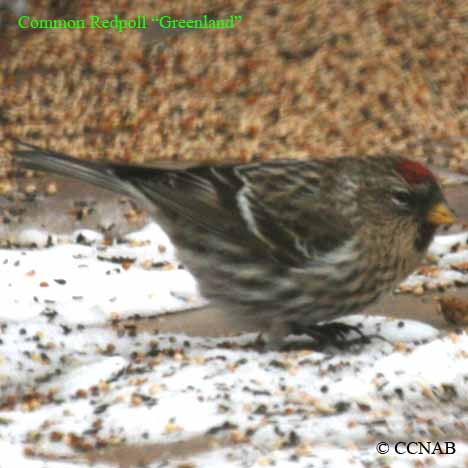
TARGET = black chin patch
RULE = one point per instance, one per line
(424, 237)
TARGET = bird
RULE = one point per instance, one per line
(288, 245)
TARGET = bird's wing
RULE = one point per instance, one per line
(273, 207)
(279, 209)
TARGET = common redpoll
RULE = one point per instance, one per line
(285, 244)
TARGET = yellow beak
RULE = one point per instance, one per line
(440, 214)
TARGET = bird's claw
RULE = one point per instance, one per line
(335, 334)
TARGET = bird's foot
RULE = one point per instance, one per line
(335, 334)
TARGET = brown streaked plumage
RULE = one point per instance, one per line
(286, 244)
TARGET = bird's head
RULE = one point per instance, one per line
(420, 194)
(404, 199)
(415, 194)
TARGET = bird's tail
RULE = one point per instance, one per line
(100, 174)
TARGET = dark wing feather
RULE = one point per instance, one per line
(191, 196)
(300, 216)
(264, 206)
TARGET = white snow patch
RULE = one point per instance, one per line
(450, 251)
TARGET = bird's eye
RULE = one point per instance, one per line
(401, 198)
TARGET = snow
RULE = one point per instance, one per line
(94, 291)
(449, 252)
(73, 382)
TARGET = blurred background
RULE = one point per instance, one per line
(310, 78)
